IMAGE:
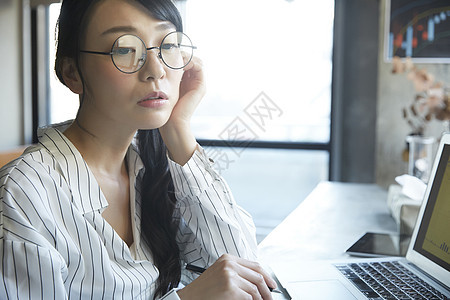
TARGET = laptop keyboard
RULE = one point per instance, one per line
(388, 280)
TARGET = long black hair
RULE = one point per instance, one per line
(158, 223)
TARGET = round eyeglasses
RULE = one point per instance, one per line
(129, 53)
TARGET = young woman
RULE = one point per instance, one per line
(113, 204)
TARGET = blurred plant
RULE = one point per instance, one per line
(432, 99)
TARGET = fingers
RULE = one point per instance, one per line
(250, 291)
(196, 64)
(193, 81)
(255, 266)
(253, 283)
(253, 279)
(194, 70)
(193, 74)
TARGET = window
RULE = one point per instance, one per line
(269, 68)
(275, 51)
(277, 47)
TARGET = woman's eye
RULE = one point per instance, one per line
(169, 46)
(124, 51)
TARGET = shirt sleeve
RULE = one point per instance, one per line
(30, 266)
(211, 223)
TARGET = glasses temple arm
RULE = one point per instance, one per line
(95, 52)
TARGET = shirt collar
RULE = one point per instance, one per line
(135, 163)
(86, 193)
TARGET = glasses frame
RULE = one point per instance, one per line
(110, 53)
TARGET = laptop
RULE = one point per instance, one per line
(423, 274)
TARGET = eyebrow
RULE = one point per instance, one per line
(116, 29)
(119, 29)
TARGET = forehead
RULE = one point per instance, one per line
(109, 14)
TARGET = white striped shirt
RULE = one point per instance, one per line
(55, 244)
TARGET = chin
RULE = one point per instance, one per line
(154, 123)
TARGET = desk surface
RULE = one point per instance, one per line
(327, 222)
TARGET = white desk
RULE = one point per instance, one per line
(327, 222)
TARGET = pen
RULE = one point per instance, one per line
(200, 270)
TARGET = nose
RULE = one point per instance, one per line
(153, 67)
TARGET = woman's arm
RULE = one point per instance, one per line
(176, 133)
(211, 222)
(30, 271)
(30, 265)
(207, 205)
(215, 233)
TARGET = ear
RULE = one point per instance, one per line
(71, 76)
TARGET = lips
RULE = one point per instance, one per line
(155, 96)
(154, 100)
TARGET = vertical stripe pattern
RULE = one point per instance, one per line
(55, 244)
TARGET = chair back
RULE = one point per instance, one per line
(9, 155)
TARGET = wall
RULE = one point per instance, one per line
(394, 92)
(355, 61)
(10, 74)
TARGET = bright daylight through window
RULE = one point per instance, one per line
(267, 58)
(268, 68)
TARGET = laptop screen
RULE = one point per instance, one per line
(433, 239)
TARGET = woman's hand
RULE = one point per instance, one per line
(230, 277)
(176, 132)
(192, 90)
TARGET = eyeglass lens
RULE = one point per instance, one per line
(129, 52)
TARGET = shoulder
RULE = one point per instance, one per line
(32, 172)
(31, 191)
(46, 159)
(35, 156)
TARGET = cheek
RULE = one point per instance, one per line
(105, 78)
(107, 73)
(117, 81)
(174, 77)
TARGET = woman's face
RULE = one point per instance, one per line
(141, 100)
